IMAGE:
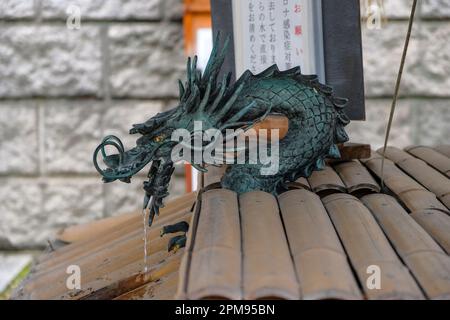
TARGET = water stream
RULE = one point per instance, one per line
(144, 219)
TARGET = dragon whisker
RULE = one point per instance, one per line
(205, 99)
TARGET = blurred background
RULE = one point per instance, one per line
(63, 88)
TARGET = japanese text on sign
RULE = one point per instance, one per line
(273, 32)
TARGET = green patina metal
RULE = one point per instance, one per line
(316, 126)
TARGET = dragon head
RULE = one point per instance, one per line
(204, 98)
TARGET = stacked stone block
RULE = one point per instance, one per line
(62, 90)
(423, 112)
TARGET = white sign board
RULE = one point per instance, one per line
(203, 45)
(283, 32)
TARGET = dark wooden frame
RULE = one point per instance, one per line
(342, 48)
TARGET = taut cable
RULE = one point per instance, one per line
(397, 88)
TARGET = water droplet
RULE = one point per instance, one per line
(144, 219)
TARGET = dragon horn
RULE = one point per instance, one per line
(212, 57)
(194, 69)
(230, 102)
(205, 99)
(216, 59)
(189, 71)
(191, 101)
(223, 87)
(181, 88)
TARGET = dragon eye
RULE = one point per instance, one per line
(158, 138)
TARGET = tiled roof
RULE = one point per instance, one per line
(110, 256)
(318, 240)
(315, 241)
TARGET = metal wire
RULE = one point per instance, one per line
(397, 89)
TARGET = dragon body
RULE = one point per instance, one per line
(316, 126)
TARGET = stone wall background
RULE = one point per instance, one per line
(423, 112)
(62, 90)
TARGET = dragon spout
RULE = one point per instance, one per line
(316, 126)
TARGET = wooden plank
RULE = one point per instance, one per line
(437, 224)
(215, 266)
(108, 235)
(108, 278)
(396, 155)
(445, 198)
(49, 267)
(408, 190)
(394, 178)
(352, 151)
(107, 275)
(433, 180)
(127, 284)
(367, 246)
(93, 229)
(444, 149)
(432, 157)
(326, 181)
(268, 269)
(163, 289)
(320, 261)
(401, 183)
(356, 178)
(122, 258)
(423, 256)
(186, 259)
(373, 155)
(131, 230)
(421, 200)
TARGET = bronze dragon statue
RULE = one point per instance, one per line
(316, 126)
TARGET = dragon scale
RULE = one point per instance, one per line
(316, 124)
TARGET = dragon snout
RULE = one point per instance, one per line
(121, 165)
(113, 162)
